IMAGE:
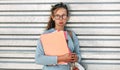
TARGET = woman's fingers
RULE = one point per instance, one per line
(74, 57)
(70, 57)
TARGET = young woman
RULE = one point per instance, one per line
(58, 19)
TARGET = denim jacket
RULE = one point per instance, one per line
(42, 59)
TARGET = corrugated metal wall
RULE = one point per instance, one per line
(96, 22)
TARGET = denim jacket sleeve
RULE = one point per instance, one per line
(76, 46)
(41, 58)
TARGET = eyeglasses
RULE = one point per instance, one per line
(57, 17)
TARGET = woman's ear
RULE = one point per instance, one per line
(52, 17)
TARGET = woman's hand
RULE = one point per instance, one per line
(69, 57)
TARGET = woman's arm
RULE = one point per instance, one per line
(41, 58)
(76, 45)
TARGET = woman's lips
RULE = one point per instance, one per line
(60, 22)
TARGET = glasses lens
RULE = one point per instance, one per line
(60, 16)
(57, 16)
(64, 16)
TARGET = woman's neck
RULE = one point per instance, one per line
(59, 28)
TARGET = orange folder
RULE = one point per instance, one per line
(54, 44)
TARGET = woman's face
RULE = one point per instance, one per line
(60, 17)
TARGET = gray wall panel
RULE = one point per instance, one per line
(96, 23)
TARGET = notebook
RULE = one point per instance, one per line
(54, 44)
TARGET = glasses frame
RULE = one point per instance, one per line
(57, 17)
